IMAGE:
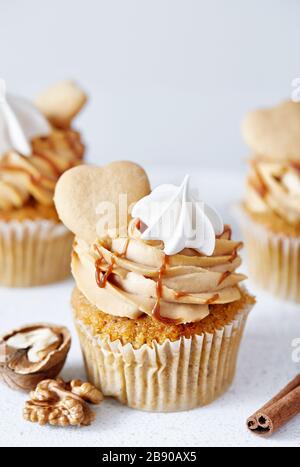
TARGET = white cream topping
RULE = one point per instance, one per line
(176, 216)
(36, 341)
(20, 121)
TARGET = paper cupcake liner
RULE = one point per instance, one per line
(34, 253)
(168, 377)
(273, 259)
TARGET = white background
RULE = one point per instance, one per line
(169, 80)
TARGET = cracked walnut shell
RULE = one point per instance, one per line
(54, 402)
(33, 353)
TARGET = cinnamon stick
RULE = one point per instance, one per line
(278, 411)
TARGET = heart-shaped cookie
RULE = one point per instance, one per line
(82, 191)
(274, 132)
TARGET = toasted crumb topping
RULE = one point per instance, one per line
(145, 329)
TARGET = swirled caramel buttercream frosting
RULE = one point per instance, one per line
(128, 276)
(273, 184)
(23, 179)
(131, 270)
(36, 150)
(274, 187)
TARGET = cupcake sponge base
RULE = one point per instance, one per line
(162, 377)
(34, 253)
(273, 257)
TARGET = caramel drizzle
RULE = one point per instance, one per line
(34, 180)
(233, 256)
(295, 165)
(74, 252)
(235, 252)
(259, 185)
(277, 178)
(38, 180)
(224, 277)
(101, 276)
(98, 270)
(138, 224)
(163, 319)
(156, 309)
(180, 294)
(213, 299)
(124, 252)
(260, 188)
(227, 233)
(96, 247)
(47, 159)
(75, 144)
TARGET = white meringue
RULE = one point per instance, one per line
(20, 121)
(176, 216)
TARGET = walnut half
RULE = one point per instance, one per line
(56, 403)
(33, 353)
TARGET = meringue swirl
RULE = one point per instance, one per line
(128, 276)
(34, 177)
(274, 187)
(179, 219)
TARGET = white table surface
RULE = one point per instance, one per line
(265, 365)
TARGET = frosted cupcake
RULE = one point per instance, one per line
(37, 144)
(158, 306)
(270, 214)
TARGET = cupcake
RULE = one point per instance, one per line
(270, 213)
(158, 304)
(37, 144)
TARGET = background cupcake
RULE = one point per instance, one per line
(160, 313)
(37, 144)
(270, 214)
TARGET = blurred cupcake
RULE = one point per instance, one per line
(158, 306)
(270, 214)
(37, 144)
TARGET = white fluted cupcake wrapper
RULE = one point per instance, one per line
(34, 253)
(170, 377)
(273, 259)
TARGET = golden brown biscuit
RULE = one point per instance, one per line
(81, 190)
(61, 102)
(274, 132)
